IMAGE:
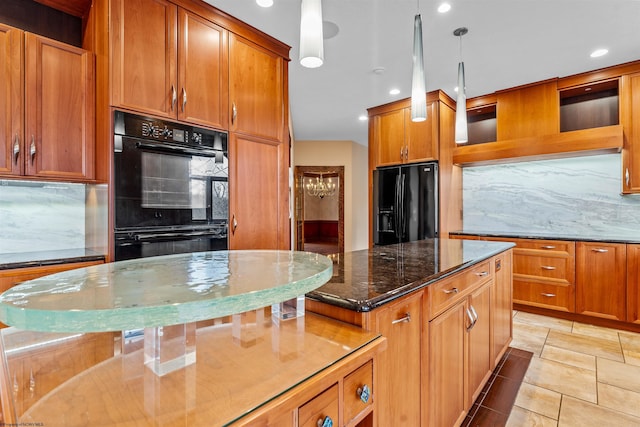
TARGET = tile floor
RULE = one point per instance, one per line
(579, 375)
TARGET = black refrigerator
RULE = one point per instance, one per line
(405, 203)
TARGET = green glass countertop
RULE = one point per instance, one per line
(163, 290)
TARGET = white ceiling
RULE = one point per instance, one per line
(510, 42)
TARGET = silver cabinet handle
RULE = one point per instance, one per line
(482, 274)
(184, 99)
(471, 318)
(545, 294)
(547, 247)
(234, 225)
(600, 250)
(16, 149)
(234, 113)
(475, 314)
(401, 153)
(406, 318)
(32, 149)
(547, 267)
(364, 393)
(450, 291)
(174, 97)
(626, 176)
(323, 422)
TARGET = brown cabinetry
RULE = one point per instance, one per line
(501, 306)
(168, 62)
(399, 393)
(601, 280)
(459, 347)
(630, 115)
(47, 108)
(633, 283)
(256, 90)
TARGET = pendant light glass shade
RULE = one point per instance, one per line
(418, 90)
(311, 40)
(461, 135)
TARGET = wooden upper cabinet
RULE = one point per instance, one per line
(143, 39)
(59, 110)
(528, 111)
(202, 71)
(11, 100)
(257, 90)
(421, 138)
(389, 137)
(630, 115)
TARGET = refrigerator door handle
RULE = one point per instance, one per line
(396, 208)
(403, 220)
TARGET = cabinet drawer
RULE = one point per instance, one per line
(358, 391)
(449, 291)
(549, 267)
(323, 405)
(547, 295)
(556, 248)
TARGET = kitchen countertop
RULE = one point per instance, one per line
(366, 279)
(551, 236)
(41, 258)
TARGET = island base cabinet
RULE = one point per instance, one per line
(398, 369)
(501, 307)
(633, 284)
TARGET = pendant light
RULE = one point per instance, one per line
(311, 43)
(461, 133)
(418, 90)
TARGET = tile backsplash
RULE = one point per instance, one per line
(42, 216)
(574, 196)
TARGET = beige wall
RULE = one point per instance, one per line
(353, 157)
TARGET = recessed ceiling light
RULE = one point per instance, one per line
(363, 118)
(264, 3)
(444, 8)
(394, 91)
(599, 52)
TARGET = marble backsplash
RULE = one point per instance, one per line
(39, 216)
(576, 196)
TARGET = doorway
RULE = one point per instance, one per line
(319, 211)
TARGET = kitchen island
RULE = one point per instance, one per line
(445, 307)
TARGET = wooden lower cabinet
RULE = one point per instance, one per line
(399, 392)
(459, 357)
(633, 283)
(601, 278)
(501, 306)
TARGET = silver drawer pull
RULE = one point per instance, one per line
(482, 274)
(547, 267)
(547, 247)
(544, 294)
(600, 250)
(406, 318)
(450, 291)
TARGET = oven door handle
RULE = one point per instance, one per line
(176, 149)
(140, 237)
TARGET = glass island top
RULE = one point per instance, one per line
(163, 290)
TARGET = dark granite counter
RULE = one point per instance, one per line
(366, 279)
(41, 258)
(551, 236)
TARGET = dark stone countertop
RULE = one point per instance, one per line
(366, 279)
(41, 258)
(550, 236)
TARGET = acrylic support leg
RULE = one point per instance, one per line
(289, 309)
(247, 328)
(168, 348)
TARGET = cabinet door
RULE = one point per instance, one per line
(421, 138)
(256, 84)
(447, 335)
(388, 131)
(11, 97)
(601, 280)
(59, 110)
(398, 394)
(480, 365)
(501, 307)
(633, 283)
(258, 194)
(630, 115)
(202, 71)
(143, 40)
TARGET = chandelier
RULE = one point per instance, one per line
(320, 188)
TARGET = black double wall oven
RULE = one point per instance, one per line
(171, 191)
